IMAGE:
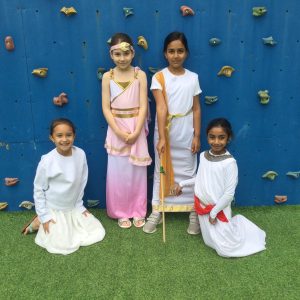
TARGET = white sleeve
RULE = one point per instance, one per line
(197, 89)
(231, 180)
(155, 85)
(187, 182)
(40, 186)
(79, 203)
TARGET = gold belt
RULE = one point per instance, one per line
(170, 117)
(125, 112)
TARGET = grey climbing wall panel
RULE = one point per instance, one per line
(74, 47)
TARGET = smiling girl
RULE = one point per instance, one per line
(59, 184)
(215, 185)
(124, 105)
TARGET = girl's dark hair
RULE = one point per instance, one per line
(174, 36)
(60, 121)
(220, 122)
(120, 37)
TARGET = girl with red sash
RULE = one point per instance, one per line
(215, 184)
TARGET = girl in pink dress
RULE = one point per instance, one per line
(124, 105)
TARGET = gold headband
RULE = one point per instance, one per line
(124, 46)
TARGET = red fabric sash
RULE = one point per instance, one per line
(207, 209)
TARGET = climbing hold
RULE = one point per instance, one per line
(280, 199)
(100, 72)
(68, 11)
(226, 71)
(3, 205)
(93, 203)
(186, 11)
(9, 43)
(142, 42)
(128, 11)
(264, 96)
(26, 204)
(40, 72)
(108, 41)
(270, 175)
(2, 144)
(269, 41)
(210, 99)
(153, 70)
(8, 181)
(214, 41)
(259, 11)
(295, 175)
(61, 99)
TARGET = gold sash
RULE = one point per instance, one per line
(165, 158)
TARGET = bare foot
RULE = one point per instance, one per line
(32, 226)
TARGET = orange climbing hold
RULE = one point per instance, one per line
(11, 181)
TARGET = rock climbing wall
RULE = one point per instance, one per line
(45, 52)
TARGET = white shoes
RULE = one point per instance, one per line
(194, 226)
(155, 218)
(152, 221)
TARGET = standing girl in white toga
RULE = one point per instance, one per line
(177, 131)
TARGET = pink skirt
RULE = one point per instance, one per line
(126, 188)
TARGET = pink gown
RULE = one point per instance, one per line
(126, 182)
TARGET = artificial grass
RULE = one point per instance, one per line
(129, 264)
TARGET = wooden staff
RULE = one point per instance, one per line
(162, 199)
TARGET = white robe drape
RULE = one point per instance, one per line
(180, 92)
(58, 190)
(215, 184)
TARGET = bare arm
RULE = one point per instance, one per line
(197, 124)
(107, 110)
(161, 111)
(143, 108)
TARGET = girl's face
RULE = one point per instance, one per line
(218, 139)
(176, 55)
(63, 138)
(122, 59)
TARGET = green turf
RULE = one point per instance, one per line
(128, 264)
